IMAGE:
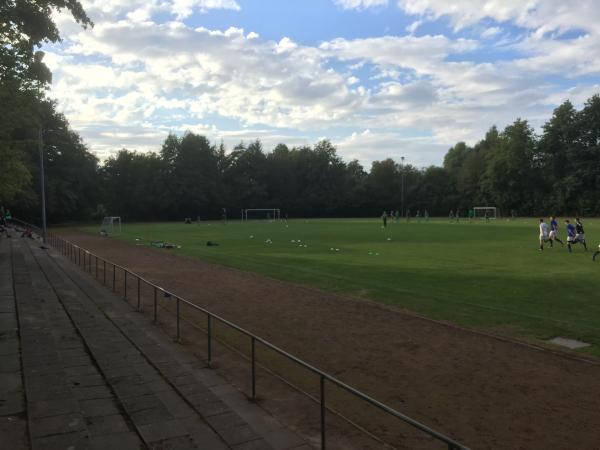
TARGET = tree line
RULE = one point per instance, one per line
(556, 172)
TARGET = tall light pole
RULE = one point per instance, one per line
(38, 59)
(402, 186)
(42, 180)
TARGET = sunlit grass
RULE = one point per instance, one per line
(480, 274)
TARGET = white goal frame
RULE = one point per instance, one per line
(275, 212)
(491, 210)
(111, 225)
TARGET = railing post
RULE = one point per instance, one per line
(79, 256)
(114, 278)
(253, 368)
(139, 303)
(323, 412)
(155, 306)
(125, 284)
(209, 328)
(178, 322)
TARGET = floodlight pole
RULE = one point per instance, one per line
(402, 186)
(42, 181)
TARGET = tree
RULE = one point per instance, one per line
(192, 177)
(72, 188)
(584, 181)
(511, 180)
(25, 25)
(132, 187)
(245, 177)
(557, 148)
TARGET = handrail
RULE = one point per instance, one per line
(62, 245)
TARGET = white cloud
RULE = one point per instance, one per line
(360, 4)
(413, 26)
(491, 32)
(131, 76)
(367, 146)
(546, 15)
(420, 54)
(142, 10)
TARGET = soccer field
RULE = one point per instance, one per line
(487, 275)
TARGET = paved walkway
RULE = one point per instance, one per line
(79, 369)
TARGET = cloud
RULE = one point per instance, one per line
(135, 76)
(367, 146)
(491, 32)
(142, 10)
(546, 15)
(419, 54)
(413, 26)
(360, 4)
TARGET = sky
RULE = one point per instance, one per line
(379, 78)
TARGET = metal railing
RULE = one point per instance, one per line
(83, 258)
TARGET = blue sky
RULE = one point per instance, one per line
(380, 78)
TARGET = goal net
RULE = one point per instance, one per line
(110, 225)
(485, 212)
(261, 214)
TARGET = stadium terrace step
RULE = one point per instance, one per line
(99, 375)
(13, 420)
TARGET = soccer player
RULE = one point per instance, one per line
(580, 233)
(384, 216)
(571, 235)
(451, 215)
(596, 253)
(543, 234)
(554, 232)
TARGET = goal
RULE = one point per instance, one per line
(261, 213)
(110, 225)
(483, 212)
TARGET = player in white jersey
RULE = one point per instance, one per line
(544, 233)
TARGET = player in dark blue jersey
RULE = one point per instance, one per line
(553, 235)
(571, 235)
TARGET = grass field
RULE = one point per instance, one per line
(488, 275)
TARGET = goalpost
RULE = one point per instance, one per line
(483, 212)
(262, 213)
(110, 225)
